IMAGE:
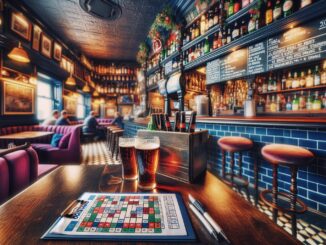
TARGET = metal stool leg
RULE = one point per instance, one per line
(294, 192)
(232, 167)
(275, 187)
(256, 178)
(223, 163)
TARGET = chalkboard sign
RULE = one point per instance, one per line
(257, 58)
(213, 72)
(234, 65)
(298, 45)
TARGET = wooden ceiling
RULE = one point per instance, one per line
(97, 38)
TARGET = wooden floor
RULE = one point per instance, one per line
(311, 227)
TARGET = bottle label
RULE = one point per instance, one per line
(251, 25)
(235, 33)
(277, 13)
(287, 5)
(305, 3)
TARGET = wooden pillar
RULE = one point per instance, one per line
(167, 108)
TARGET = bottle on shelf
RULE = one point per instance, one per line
(302, 81)
(243, 28)
(245, 3)
(289, 104)
(305, 3)
(216, 18)
(215, 41)
(260, 106)
(269, 13)
(235, 31)
(203, 24)
(273, 105)
(278, 103)
(309, 79)
(237, 6)
(270, 83)
(295, 80)
(323, 74)
(229, 36)
(309, 101)
(302, 101)
(295, 103)
(231, 8)
(283, 82)
(206, 46)
(287, 8)
(277, 11)
(324, 100)
(316, 76)
(316, 104)
(252, 21)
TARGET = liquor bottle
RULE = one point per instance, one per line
(268, 103)
(295, 81)
(228, 37)
(316, 104)
(316, 76)
(273, 106)
(309, 101)
(177, 121)
(215, 41)
(278, 104)
(237, 6)
(252, 22)
(305, 3)
(302, 101)
(210, 19)
(309, 79)
(192, 122)
(167, 123)
(183, 122)
(295, 103)
(283, 82)
(260, 106)
(274, 84)
(289, 104)
(270, 83)
(224, 36)
(287, 8)
(323, 74)
(215, 19)
(231, 8)
(202, 24)
(206, 46)
(235, 31)
(269, 13)
(162, 121)
(302, 81)
(265, 87)
(245, 3)
(277, 11)
(324, 101)
(243, 28)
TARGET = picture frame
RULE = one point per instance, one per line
(70, 105)
(18, 98)
(37, 31)
(46, 45)
(20, 25)
(57, 51)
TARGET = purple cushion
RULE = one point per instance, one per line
(64, 142)
(4, 180)
(19, 170)
(44, 147)
(45, 169)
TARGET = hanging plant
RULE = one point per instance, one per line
(143, 53)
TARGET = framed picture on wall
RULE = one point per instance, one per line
(57, 51)
(21, 25)
(70, 105)
(36, 37)
(46, 46)
(18, 98)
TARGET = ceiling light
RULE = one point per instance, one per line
(19, 54)
(95, 94)
(86, 88)
(71, 80)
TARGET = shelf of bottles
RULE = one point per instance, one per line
(293, 91)
(171, 49)
(229, 97)
(195, 82)
(113, 89)
(230, 21)
(113, 72)
(153, 64)
(154, 78)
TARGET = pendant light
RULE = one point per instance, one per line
(86, 88)
(19, 54)
(95, 94)
(71, 80)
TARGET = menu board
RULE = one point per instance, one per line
(298, 45)
(257, 58)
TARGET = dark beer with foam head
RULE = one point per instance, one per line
(128, 157)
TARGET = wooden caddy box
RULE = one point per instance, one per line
(183, 156)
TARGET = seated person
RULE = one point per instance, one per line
(118, 120)
(91, 126)
(52, 119)
(63, 120)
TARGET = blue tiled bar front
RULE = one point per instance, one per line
(311, 180)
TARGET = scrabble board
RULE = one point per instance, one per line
(135, 216)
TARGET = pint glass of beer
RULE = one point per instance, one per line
(147, 155)
(128, 157)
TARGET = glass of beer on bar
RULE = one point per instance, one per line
(128, 158)
(147, 155)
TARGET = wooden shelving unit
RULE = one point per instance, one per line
(294, 90)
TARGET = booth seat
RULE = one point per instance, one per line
(70, 152)
(102, 121)
(18, 170)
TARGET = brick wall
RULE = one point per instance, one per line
(311, 180)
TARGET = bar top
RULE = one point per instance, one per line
(306, 122)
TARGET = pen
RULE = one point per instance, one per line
(209, 228)
(210, 220)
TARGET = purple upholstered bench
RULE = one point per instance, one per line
(18, 169)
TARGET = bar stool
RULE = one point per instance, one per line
(293, 157)
(232, 144)
(111, 138)
(109, 134)
(115, 149)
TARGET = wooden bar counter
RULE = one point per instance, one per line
(28, 215)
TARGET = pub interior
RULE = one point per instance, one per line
(171, 121)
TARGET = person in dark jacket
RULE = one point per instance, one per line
(118, 120)
(63, 120)
(91, 126)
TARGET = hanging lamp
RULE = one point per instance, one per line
(71, 80)
(19, 54)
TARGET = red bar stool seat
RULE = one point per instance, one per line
(232, 144)
(293, 157)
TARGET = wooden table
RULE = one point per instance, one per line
(26, 135)
(25, 218)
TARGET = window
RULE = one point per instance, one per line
(44, 100)
(80, 106)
